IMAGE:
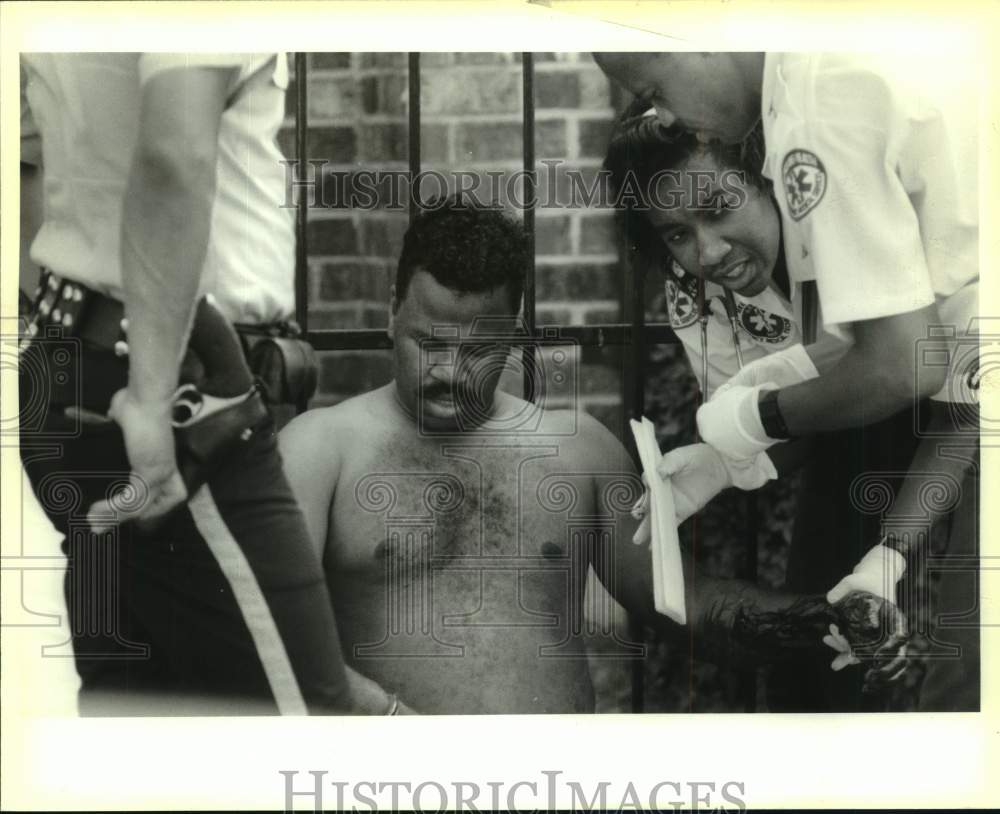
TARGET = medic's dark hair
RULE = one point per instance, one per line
(641, 146)
(466, 246)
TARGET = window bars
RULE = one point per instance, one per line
(633, 334)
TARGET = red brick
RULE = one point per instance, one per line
(578, 282)
(594, 136)
(434, 143)
(353, 281)
(332, 98)
(550, 139)
(551, 316)
(336, 236)
(484, 58)
(384, 142)
(352, 372)
(597, 234)
(552, 235)
(336, 144)
(465, 92)
(488, 142)
(330, 59)
(384, 94)
(557, 89)
(602, 316)
(383, 236)
(389, 59)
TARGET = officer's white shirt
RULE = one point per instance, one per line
(86, 107)
(766, 323)
(875, 165)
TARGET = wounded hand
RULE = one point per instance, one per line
(878, 634)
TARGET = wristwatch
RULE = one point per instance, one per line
(770, 416)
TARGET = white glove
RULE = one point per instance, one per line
(784, 368)
(697, 473)
(731, 423)
(877, 573)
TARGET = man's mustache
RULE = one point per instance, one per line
(458, 393)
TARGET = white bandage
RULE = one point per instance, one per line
(731, 423)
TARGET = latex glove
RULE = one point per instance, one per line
(784, 368)
(845, 657)
(697, 473)
(155, 486)
(877, 573)
(731, 423)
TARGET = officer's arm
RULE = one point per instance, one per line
(166, 218)
(880, 375)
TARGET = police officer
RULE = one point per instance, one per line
(874, 163)
(193, 586)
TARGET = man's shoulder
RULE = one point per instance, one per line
(318, 429)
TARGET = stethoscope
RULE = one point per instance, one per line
(729, 302)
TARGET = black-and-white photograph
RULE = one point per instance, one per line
(477, 383)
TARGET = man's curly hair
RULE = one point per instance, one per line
(465, 246)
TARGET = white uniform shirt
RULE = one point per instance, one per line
(86, 107)
(766, 323)
(875, 165)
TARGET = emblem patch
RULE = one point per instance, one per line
(763, 325)
(682, 294)
(805, 182)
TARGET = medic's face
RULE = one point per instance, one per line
(717, 227)
(715, 95)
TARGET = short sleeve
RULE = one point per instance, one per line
(854, 215)
(151, 64)
(31, 138)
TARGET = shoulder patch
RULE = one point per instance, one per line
(762, 325)
(682, 297)
(804, 178)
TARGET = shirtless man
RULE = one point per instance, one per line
(457, 522)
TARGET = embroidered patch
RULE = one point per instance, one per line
(763, 325)
(805, 182)
(682, 297)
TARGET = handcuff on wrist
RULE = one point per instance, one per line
(393, 705)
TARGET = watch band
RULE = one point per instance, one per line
(770, 416)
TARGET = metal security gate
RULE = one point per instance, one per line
(633, 334)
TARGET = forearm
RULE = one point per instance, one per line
(791, 456)
(165, 229)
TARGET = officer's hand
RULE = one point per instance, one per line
(876, 630)
(155, 486)
(784, 368)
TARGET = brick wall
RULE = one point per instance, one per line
(471, 120)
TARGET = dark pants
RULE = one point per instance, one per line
(221, 608)
(846, 489)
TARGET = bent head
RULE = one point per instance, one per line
(455, 302)
(706, 206)
(715, 95)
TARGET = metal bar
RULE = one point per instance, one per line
(528, 352)
(413, 137)
(301, 204)
(635, 273)
(587, 336)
